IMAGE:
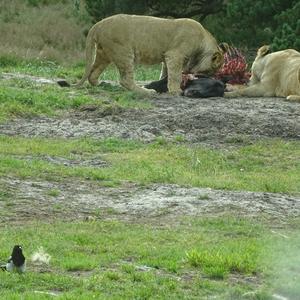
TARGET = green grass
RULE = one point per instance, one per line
(53, 193)
(50, 69)
(269, 166)
(16, 102)
(24, 97)
(136, 261)
(218, 262)
(21, 98)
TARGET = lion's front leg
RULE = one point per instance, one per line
(174, 66)
(127, 81)
(126, 70)
(256, 90)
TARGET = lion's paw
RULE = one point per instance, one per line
(230, 95)
(175, 93)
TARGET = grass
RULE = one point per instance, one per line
(135, 261)
(22, 96)
(53, 193)
(48, 29)
(268, 166)
(28, 101)
(218, 262)
(50, 69)
(16, 102)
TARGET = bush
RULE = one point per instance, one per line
(45, 2)
(100, 9)
(288, 30)
(254, 23)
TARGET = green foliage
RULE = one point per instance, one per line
(288, 31)
(241, 22)
(100, 9)
(45, 2)
(254, 23)
(9, 60)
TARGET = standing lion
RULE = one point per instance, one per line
(182, 45)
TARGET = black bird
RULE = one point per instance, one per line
(16, 261)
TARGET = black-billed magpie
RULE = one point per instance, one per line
(16, 261)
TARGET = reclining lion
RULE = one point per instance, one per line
(273, 74)
(181, 44)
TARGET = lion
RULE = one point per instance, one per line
(182, 45)
(274, 74)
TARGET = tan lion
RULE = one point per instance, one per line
(125, 40)
(274, 74)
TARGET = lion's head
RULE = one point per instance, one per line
(207, 62)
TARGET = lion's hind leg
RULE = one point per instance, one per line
(126, 70)
(256, 90)
(101, 62)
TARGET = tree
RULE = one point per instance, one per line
(288, 28)
(100, 9)
(254, 23)
(198, 9)
(239, 22)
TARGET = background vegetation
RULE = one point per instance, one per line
(253, 23)
(55, 29)
(48, 29)
(241, 22)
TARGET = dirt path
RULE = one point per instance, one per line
(212, 121)
(80, 200)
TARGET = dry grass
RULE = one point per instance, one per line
(53, 31)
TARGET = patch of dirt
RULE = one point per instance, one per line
(35, 79)
(212, 121)
(78, 161)
(89, 201)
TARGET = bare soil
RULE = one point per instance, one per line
(212, 121)
(88, 200)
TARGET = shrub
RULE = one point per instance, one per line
(288, 30)
(254, 23)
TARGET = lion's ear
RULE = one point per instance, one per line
(264, 50)
(224, 47)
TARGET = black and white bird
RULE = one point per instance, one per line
(16, 261)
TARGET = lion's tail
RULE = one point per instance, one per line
(89, 55)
